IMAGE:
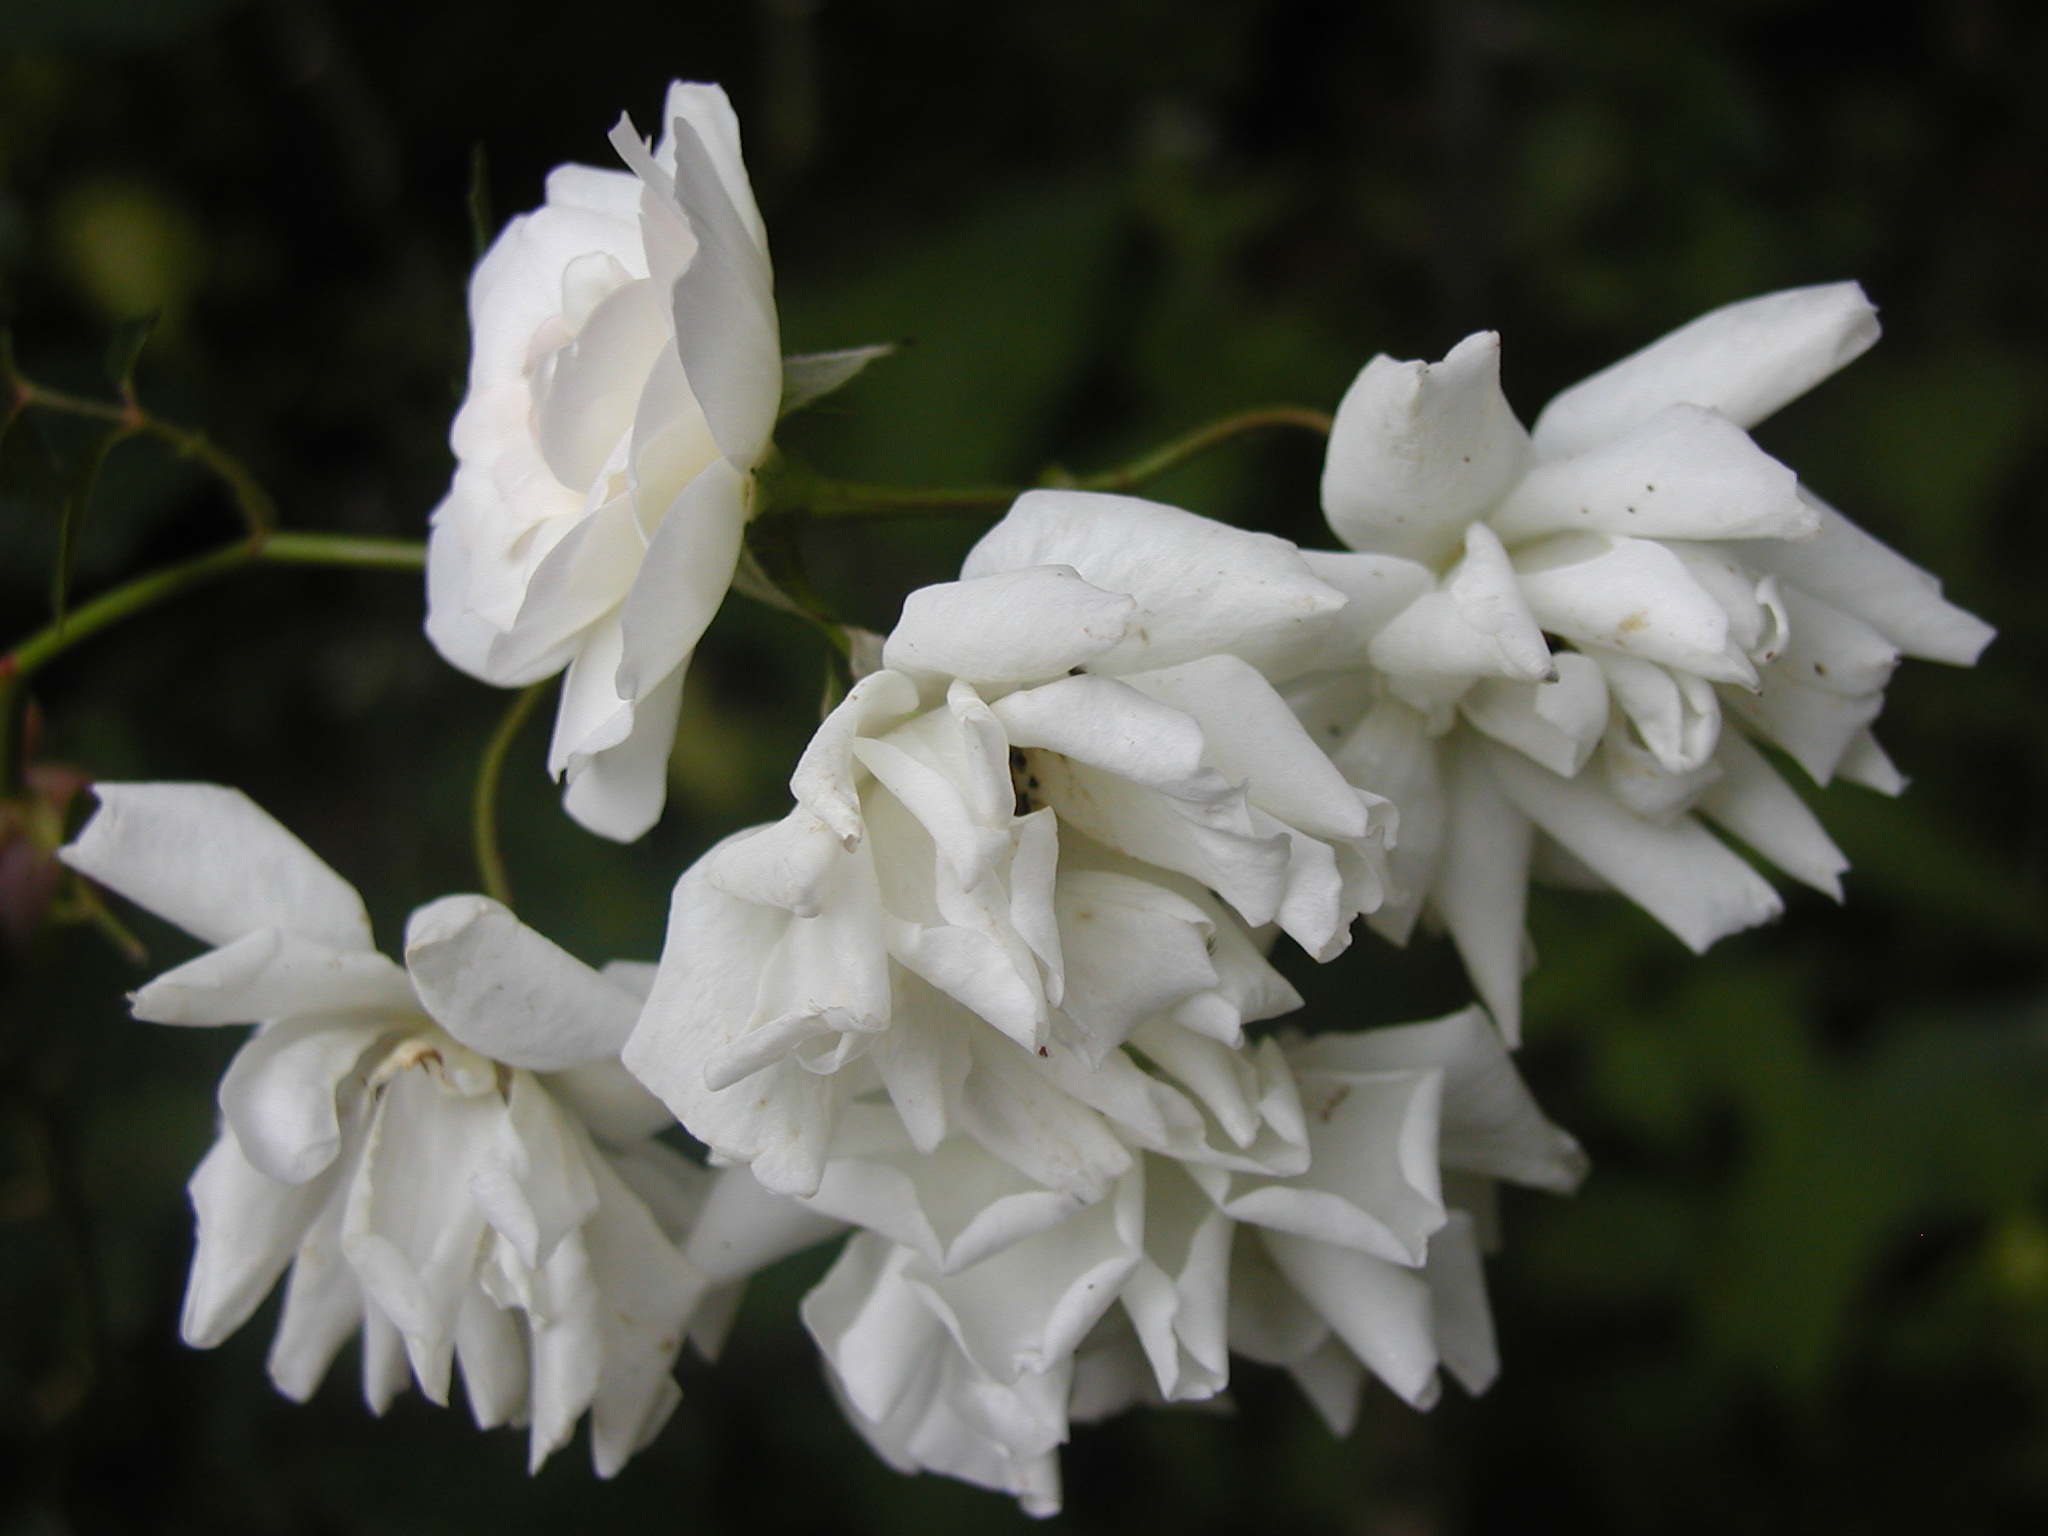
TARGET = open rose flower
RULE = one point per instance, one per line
(445, 1156)
(624, 383)
(1563, 643)
(1367, 1257)
(1046, 825)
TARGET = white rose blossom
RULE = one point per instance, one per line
(1547, 627)
(1367, 1259)
(445, 1156)
(1037, 840)
(624, 383)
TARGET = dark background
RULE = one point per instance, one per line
(1806, 1287)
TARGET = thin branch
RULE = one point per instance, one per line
(838, 501)
(1181, 449)
(251, 500)
(147, 591)
(490, 858)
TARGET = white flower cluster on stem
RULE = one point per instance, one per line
(446, 1155)
(1566, 645)
(988, 994)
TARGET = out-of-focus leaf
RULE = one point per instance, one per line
(125, 350)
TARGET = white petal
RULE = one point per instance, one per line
(1476, 625)
(1018, 626)
(534, 1182)
(279, 1094)
(568, 1349)
(1743, 360)
(1457, 1290)
(1751, 801)
(1252, 738)
(1375, 588)
(1833, 650)
(1489, 1123)
(682, 580)
(1201, 586)
(1675, 714)
(1270, 1321)
(969, 845)
(1025, 1309)
(745, 1227)
(725, 318)
(270, 974)
(1213, 843)
(703, 998)
(575, 584)
(955, 1205)
(1109, 724)
(490, 1348)
(1044, 1133)
(783, 864)
(1132, 949)
(875, 1331)
(1865, 763)
(1631, 595)
(1330, 1379)
(502, 989)
(1817, 726)
(1847, 567)
(411, 1230)
(584, 400)
(1481, 887)
(1680, 874)
(211, 861)
(672, 1187)
(1380, 1310)
(649, 1292)
(249, 1228)
(386, 1372)
(1372, 1183)
(1421, 449)
(323, 1306)
(609, 1100)
(1638, 780)
(618, 791)
(1685, 473)
(1391, 750)
(706, 109)
(1177, 1296)
(1558, 724)
(824, 779)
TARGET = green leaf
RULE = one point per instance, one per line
(813, 375)
(130, 337)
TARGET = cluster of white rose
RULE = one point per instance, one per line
(984, 995)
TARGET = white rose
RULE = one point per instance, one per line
(445, 1155)
(1683, 575)
(999, 871)
(623, 387)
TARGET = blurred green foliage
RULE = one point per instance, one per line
(1806, 1288)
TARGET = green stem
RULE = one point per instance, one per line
(839, 501)
(257, 510)
(145, 592)
(490, 858)
(1181, 449)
